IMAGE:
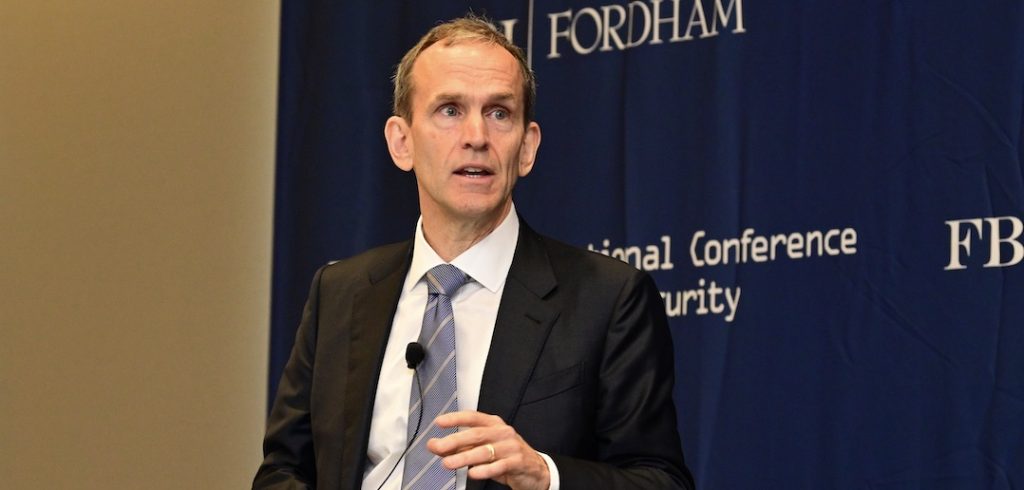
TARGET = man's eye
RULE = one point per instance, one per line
(500, 114)
(449, 111)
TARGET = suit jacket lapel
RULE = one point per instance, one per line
(373, 311)
(521, 329)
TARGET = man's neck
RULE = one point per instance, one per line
(449, 237)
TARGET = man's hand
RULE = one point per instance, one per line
(491, 449)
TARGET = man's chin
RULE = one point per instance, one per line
(480, 211)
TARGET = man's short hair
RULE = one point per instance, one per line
(471, 28)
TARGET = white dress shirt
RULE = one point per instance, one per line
(475, 307)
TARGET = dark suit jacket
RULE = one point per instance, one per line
(580, 364)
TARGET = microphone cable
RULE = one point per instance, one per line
(414, 354)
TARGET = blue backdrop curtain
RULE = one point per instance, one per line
(829, 195)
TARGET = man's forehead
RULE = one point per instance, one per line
(468, 47)
(445, 63)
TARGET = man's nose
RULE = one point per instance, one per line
(474, 132)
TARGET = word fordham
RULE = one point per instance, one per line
(619, 27)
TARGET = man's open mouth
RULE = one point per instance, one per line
(473, 172)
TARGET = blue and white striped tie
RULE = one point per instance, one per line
(423, 469)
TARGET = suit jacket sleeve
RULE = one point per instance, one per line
(638, 444)
(288, 446)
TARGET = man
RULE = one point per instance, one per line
(563, 373)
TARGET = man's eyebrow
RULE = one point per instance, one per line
(448, 97)
(503, 97)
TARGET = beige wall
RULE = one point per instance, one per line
(136, 167)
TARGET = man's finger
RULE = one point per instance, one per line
(472, 457)
(467, 419)
(462, 440)
(489, 471)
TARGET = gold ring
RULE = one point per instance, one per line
(490, 448)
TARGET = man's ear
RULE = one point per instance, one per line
(528, 150)
(399, 137)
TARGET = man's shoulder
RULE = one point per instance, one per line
(373, 263)
(572, 260)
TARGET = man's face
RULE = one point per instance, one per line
(467, 142)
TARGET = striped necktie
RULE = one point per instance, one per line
(423, 469)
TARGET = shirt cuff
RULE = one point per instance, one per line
(554, 482)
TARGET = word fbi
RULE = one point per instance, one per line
(1001, 234)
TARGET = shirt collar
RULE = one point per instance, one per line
(487, 261)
